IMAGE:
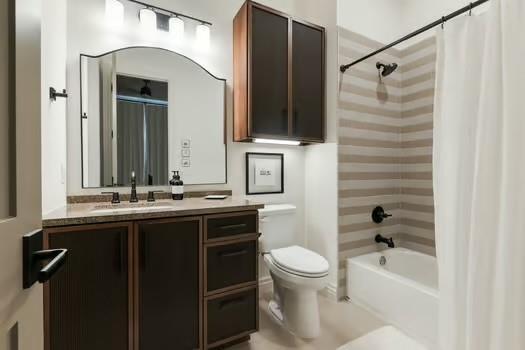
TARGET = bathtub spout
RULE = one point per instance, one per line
(387, 241)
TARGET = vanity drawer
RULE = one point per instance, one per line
(230, 265)
(226, 226)
(231, 316)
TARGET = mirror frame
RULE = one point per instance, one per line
(172, 52)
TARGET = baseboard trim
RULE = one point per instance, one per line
(265, 284)
(330, 291)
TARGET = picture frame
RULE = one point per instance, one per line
(264, 173)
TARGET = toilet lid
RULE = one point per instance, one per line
(300, 260)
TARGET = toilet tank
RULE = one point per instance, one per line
(277, 224)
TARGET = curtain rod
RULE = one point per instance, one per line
(178, 14)
(436, 23)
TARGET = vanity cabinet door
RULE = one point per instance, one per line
(168, 277)
(308, 82)
(87, 304)
(269, 73)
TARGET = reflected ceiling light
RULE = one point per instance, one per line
(203, 36)
(176, 26)
(114, 12)
(278, 142)
(148, 20)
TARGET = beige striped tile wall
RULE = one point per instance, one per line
(385, 148)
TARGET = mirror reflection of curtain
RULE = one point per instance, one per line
(106, 113)
(130, 142)
(157, 172)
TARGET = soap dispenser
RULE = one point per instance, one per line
(177, 187)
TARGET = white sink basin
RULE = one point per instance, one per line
(128, 208)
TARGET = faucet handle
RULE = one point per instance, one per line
(116, 197)
(151, 195)
(378, 215)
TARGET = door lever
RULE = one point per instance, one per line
(34, 255)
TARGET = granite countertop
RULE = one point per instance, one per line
(94, 213)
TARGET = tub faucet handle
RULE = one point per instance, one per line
(379, 214)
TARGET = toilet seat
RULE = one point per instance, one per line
(300, 261)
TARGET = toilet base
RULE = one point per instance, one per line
(296, 310)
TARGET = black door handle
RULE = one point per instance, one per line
(33, 256)
(57, 256)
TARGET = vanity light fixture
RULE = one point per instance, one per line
(148, 20)
(278, 142)
(172, 21)
(114, 12)
(202, 35)
(176, 25)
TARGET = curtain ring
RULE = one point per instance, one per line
(443, 20)
(471, 7)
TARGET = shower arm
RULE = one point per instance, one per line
(436, 23)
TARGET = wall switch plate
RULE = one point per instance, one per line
(186, 152)
(186, 163)
(186, 143)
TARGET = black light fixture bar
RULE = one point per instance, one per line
(178, 14)
(436, 23)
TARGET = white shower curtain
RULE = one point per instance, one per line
(479, 179)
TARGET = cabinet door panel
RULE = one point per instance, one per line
(308, 82)
(269, 73)
(169, 284)
(88, 299)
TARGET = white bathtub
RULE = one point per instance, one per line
(403, 292)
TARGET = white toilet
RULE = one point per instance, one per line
(297, 273)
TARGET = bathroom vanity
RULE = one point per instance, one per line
(173, 274)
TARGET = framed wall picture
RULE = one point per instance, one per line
(264, 173)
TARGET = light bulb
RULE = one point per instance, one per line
(148, 20)
(114, 12)
(176, 25)
(203, 36)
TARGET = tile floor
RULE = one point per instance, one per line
(341, 322)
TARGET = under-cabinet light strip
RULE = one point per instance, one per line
(278, 142)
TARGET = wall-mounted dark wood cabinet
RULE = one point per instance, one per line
(177, 283)
(279, 76)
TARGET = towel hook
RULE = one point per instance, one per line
(53, 94)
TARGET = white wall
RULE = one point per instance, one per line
(53, 113)
(322, 205)
(380, 20)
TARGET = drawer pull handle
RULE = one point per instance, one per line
(233, 227)
(232, 254)
(232, 302)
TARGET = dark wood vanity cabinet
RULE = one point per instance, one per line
(179, 283)
(88, 304)
(168, 278)
(279, 76)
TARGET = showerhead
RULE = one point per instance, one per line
(387, 68)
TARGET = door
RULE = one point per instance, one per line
(21, 311)
(169, 284)
(269, 73)
(308, 81)
(88, 304)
